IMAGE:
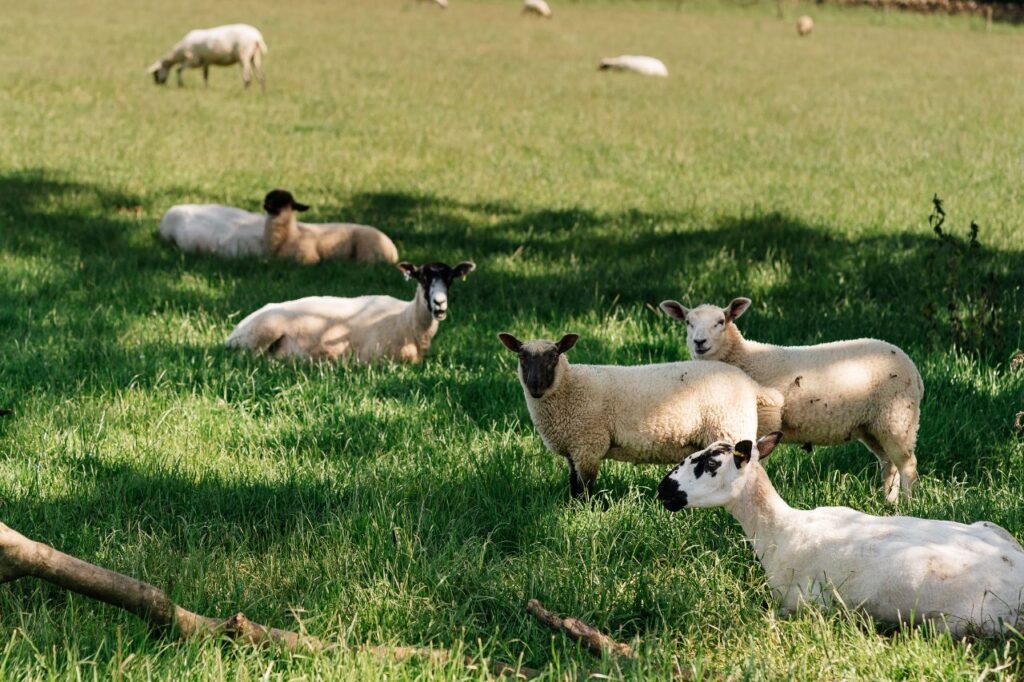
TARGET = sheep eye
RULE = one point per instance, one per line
(721, 322)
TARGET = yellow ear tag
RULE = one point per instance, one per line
(463, 278)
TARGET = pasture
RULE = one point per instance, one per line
(416, 505)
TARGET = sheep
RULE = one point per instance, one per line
(443, 4)
(537, 7)
(642, 414)
(647, 66)
(219, 46)
(961, 578)
(309, 243)
(365, 328)
(804, 25)
(232, 232)
(212, 228)
(864, 389)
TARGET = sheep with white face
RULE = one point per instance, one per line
(964, 579)
(862, 389)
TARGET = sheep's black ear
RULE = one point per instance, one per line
(408, 269)
(766, 444)
(296, 206)
(737, 307)
(675, 310)
(567, 342)
(463, 268)
(511, 342)
(741, 452)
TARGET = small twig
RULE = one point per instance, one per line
(1018, 422)
(596, 641)
(21, 557)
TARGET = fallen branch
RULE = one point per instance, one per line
(595, 640)
(21, 557)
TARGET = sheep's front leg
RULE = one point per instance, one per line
(181, 82)
(206, 75)
(246, 73)
(582, 473)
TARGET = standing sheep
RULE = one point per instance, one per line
(364, 328)
(232, 232)
(219, 46)
(961, 578)
(648, 413)
(866, 389)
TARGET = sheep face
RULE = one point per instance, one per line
(706, 325)
(715, 476)
(160, 72)
(279, 200)
(541, 365)
(435, 279)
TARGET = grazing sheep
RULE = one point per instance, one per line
(211, 228)
(647, 66)
(232, 232)
(364, 328)
(537, 7)
(804, 25)
(648, 413)
(219, 46)
(961, 578)
(865, 389)
(310, 243)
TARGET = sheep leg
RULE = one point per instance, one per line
(581, 478)
(181, 82)
(890, 473)
(257, 68)
(246, 73)
(206, 75)
(903, 459)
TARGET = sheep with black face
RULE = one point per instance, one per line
(899, 569)
(648, 413)
(364, 328)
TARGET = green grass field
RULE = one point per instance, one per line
(415, 504)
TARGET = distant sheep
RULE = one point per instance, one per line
(647, 66)
(364, 328)
(646, 413)
(964, 579)
(865, 389)
(231, 233)
(220, 46)
(804, 25)
(537, 7)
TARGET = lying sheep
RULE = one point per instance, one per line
(219, 46)
(212, 228)
(866, 389)
(647, 66)
(648, 413)
(231, 233)
(537, 7)
(309, 243)
(364, 328)
(961, 578)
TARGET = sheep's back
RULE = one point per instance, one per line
(212, 228)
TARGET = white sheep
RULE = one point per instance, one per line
(647, 413)
(537, 7)
(218, 46)
(309, 243)
(232, 232)
(647, 66)
(364, 328)
(212, 228)
(865, 389)
(804, 25)
(962, 578)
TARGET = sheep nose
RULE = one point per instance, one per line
(441, 301)
(699, 342)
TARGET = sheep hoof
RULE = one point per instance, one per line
(808, 447)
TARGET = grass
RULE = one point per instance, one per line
(416, 505)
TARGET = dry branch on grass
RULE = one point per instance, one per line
(21, 557)
(595, 640)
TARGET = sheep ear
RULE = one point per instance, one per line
(767, 444)
(567, 342)
(511, 342)
(675, 310)
(741, 452)
(463, 269)
(154, 67)
(737, 307)
(408, 269)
